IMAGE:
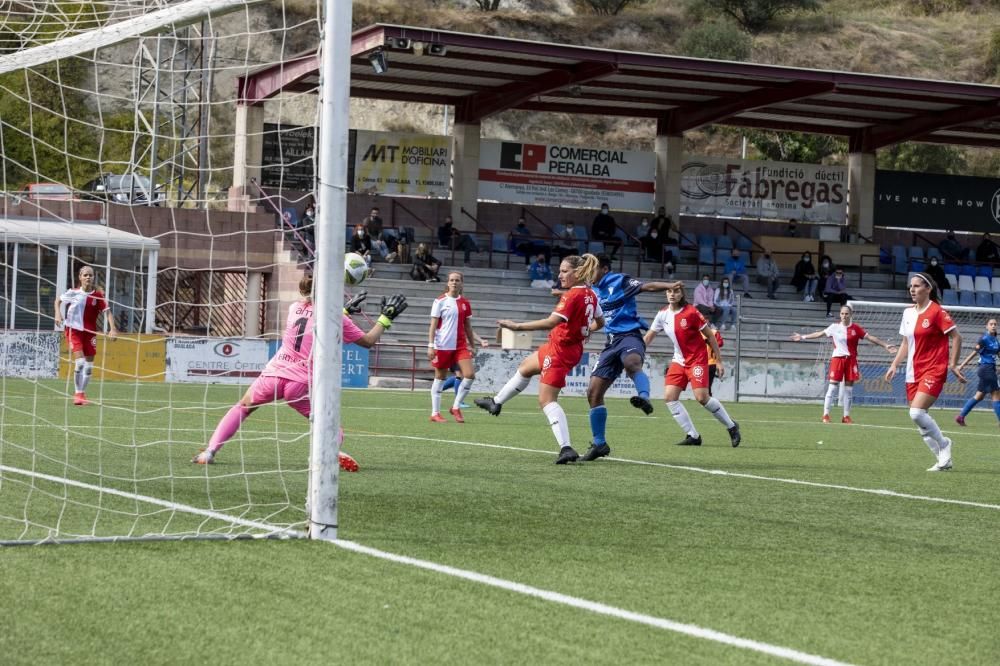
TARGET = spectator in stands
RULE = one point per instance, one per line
(652, 245)
(665, 225)
(451, 238)
(540, 273)
(736, 269)
(768, 273)
(604, 229)
(566, 242)
(305, 240)
(835, 290)
(792, 230)
(642, 229)
(704, 299)
(725, 304)
(952, 249)
(374, 225)
(361, 242)
(935, 270)
(804, 279)
(987, 251)
(425, 265)
(825, 270)
(525, 245)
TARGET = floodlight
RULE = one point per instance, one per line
(436, 49)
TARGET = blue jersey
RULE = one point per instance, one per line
(988, 348)
(616, 294)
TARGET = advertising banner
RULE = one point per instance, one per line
(354, 367)
(30, 354)
(129, 357)
(779, 190)
(557, 175)
(932, 201)
(287, 158)
(395, 163)
(215, 360)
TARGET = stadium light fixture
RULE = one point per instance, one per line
(378, 61)
(436, 49)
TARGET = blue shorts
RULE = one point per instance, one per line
(988, 379)
(610, 364)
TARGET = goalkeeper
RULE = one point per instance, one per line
(288, 375)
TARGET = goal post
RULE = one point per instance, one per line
(115, 127)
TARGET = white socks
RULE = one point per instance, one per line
(514, 385)
(82, 370)
(463, 391)
(436, 396)
(828, 400)
(929, 430)
(557, 421)
(682, 417)
(719, 412)
(848, 397)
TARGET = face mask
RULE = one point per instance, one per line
(807, 260)
(569, 227)
(361, 232)
(934, 262)
(826, 263)
(726, 285)
(604, 211)
(705, 282)
(653, 235)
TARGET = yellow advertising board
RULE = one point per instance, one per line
(129, 357)
(398, 163)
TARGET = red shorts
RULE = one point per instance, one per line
(557, 362)
(267, 389)
(929, 382)
(445, 358)
(678, 375)
(81, 341)
(844, 368)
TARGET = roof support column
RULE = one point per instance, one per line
(251, 316)
(861, 193)
(669, 160)
(248, 154)
(465, 174)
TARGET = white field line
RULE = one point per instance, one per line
(595, 607)
(715, 472)
(265, 527)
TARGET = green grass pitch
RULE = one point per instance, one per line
(785, 540)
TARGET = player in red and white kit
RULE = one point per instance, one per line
(447, 345)
(83, 305)
(689, 332)
(288, 376)
(926, 329)
(844, 363)
(576, 316)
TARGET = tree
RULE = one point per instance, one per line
(611, 7)
(922, 158)
(795, 146)
(721, 40)
(755, 15)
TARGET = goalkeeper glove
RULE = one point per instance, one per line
(391, 308)
(353, 306)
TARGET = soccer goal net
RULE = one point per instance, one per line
(125, 141)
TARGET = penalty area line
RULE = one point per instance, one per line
(883, 492)
(595, 607)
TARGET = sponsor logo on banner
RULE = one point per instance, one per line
(214, 360)
(396, 163)
(354, 367)
(714, 186)
(557, 175)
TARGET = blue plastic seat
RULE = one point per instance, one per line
(706, 255)
(883, 256)
(951, 269)
(985, 271)
(595, 247)
(984, 300)
(499, 242)
(744, 243)
(934, 252)
(898, 251)
(916, 252)
(706, 240)
(950, 297)
(724, 242)
(899, 265)
(917, 266)
(966, 298)
(721, 254)
(967, 269)
(996, 299)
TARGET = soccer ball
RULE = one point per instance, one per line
(355, 268)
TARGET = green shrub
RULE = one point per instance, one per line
(993, 54)
(721, 40)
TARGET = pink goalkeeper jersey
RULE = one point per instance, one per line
(294, 358)
(845, 339)
(926, 336)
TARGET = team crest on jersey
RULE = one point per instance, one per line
(546, 362)
(684, 322)
(925, 323)
(698, 371)
(929, 383)
(851, 333)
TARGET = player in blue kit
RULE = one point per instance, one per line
(988, 347)
(625, 349)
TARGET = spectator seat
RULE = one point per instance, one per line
(952, 280)
(965, 283)
(968, 269)
(985, 271)
(950, 297)
(724, 243)
(984, 299)
(966, 298)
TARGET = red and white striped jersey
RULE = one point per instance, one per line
(845, 339)
(82, 308)
(451, 313)
(926, 336)
(684, 330)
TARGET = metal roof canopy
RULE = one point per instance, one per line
(54, 233)
(483, 75)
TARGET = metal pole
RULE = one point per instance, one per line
(736, 370)
(328, 287)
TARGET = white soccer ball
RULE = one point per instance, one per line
(355, 268)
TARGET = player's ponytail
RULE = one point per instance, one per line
(586, 271)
